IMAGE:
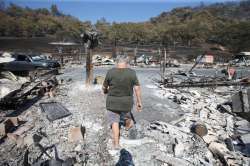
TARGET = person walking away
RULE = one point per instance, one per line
(120, 84)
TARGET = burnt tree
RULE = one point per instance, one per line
(90, 39)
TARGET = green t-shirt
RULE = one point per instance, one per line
(120, 82)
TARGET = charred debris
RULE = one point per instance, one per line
(213, 128)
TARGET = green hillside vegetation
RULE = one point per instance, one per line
(25, 22)
(227, 24)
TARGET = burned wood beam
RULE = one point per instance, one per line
(206, 84)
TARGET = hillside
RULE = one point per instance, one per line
(227, 24)
(222, 23)
(17, 21)
(239, 11)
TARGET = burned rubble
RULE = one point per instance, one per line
(62, 104)
(215, 110)
(207, 131)
(38, 140)
(212, 141)
(220, 126)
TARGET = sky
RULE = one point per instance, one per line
(113, 10)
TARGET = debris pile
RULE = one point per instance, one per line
(15, 94)
(217, 131)
(100, 60)
(78, 138)
(204, 135)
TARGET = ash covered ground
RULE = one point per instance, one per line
(163, 126)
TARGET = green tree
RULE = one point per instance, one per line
(236, 37)
(14, 10)
(104, 27)
(54, 10)
(42, 11)
(3, 24)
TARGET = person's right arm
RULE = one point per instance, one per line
(105, 89)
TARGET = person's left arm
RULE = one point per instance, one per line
(137, 90)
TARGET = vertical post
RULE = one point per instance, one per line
(161, 64)
(114, 49)
(60, 51)
(79, 56)
(89, 68)
(135, 58)
(164, 63)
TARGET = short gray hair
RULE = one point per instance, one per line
(122, 59)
